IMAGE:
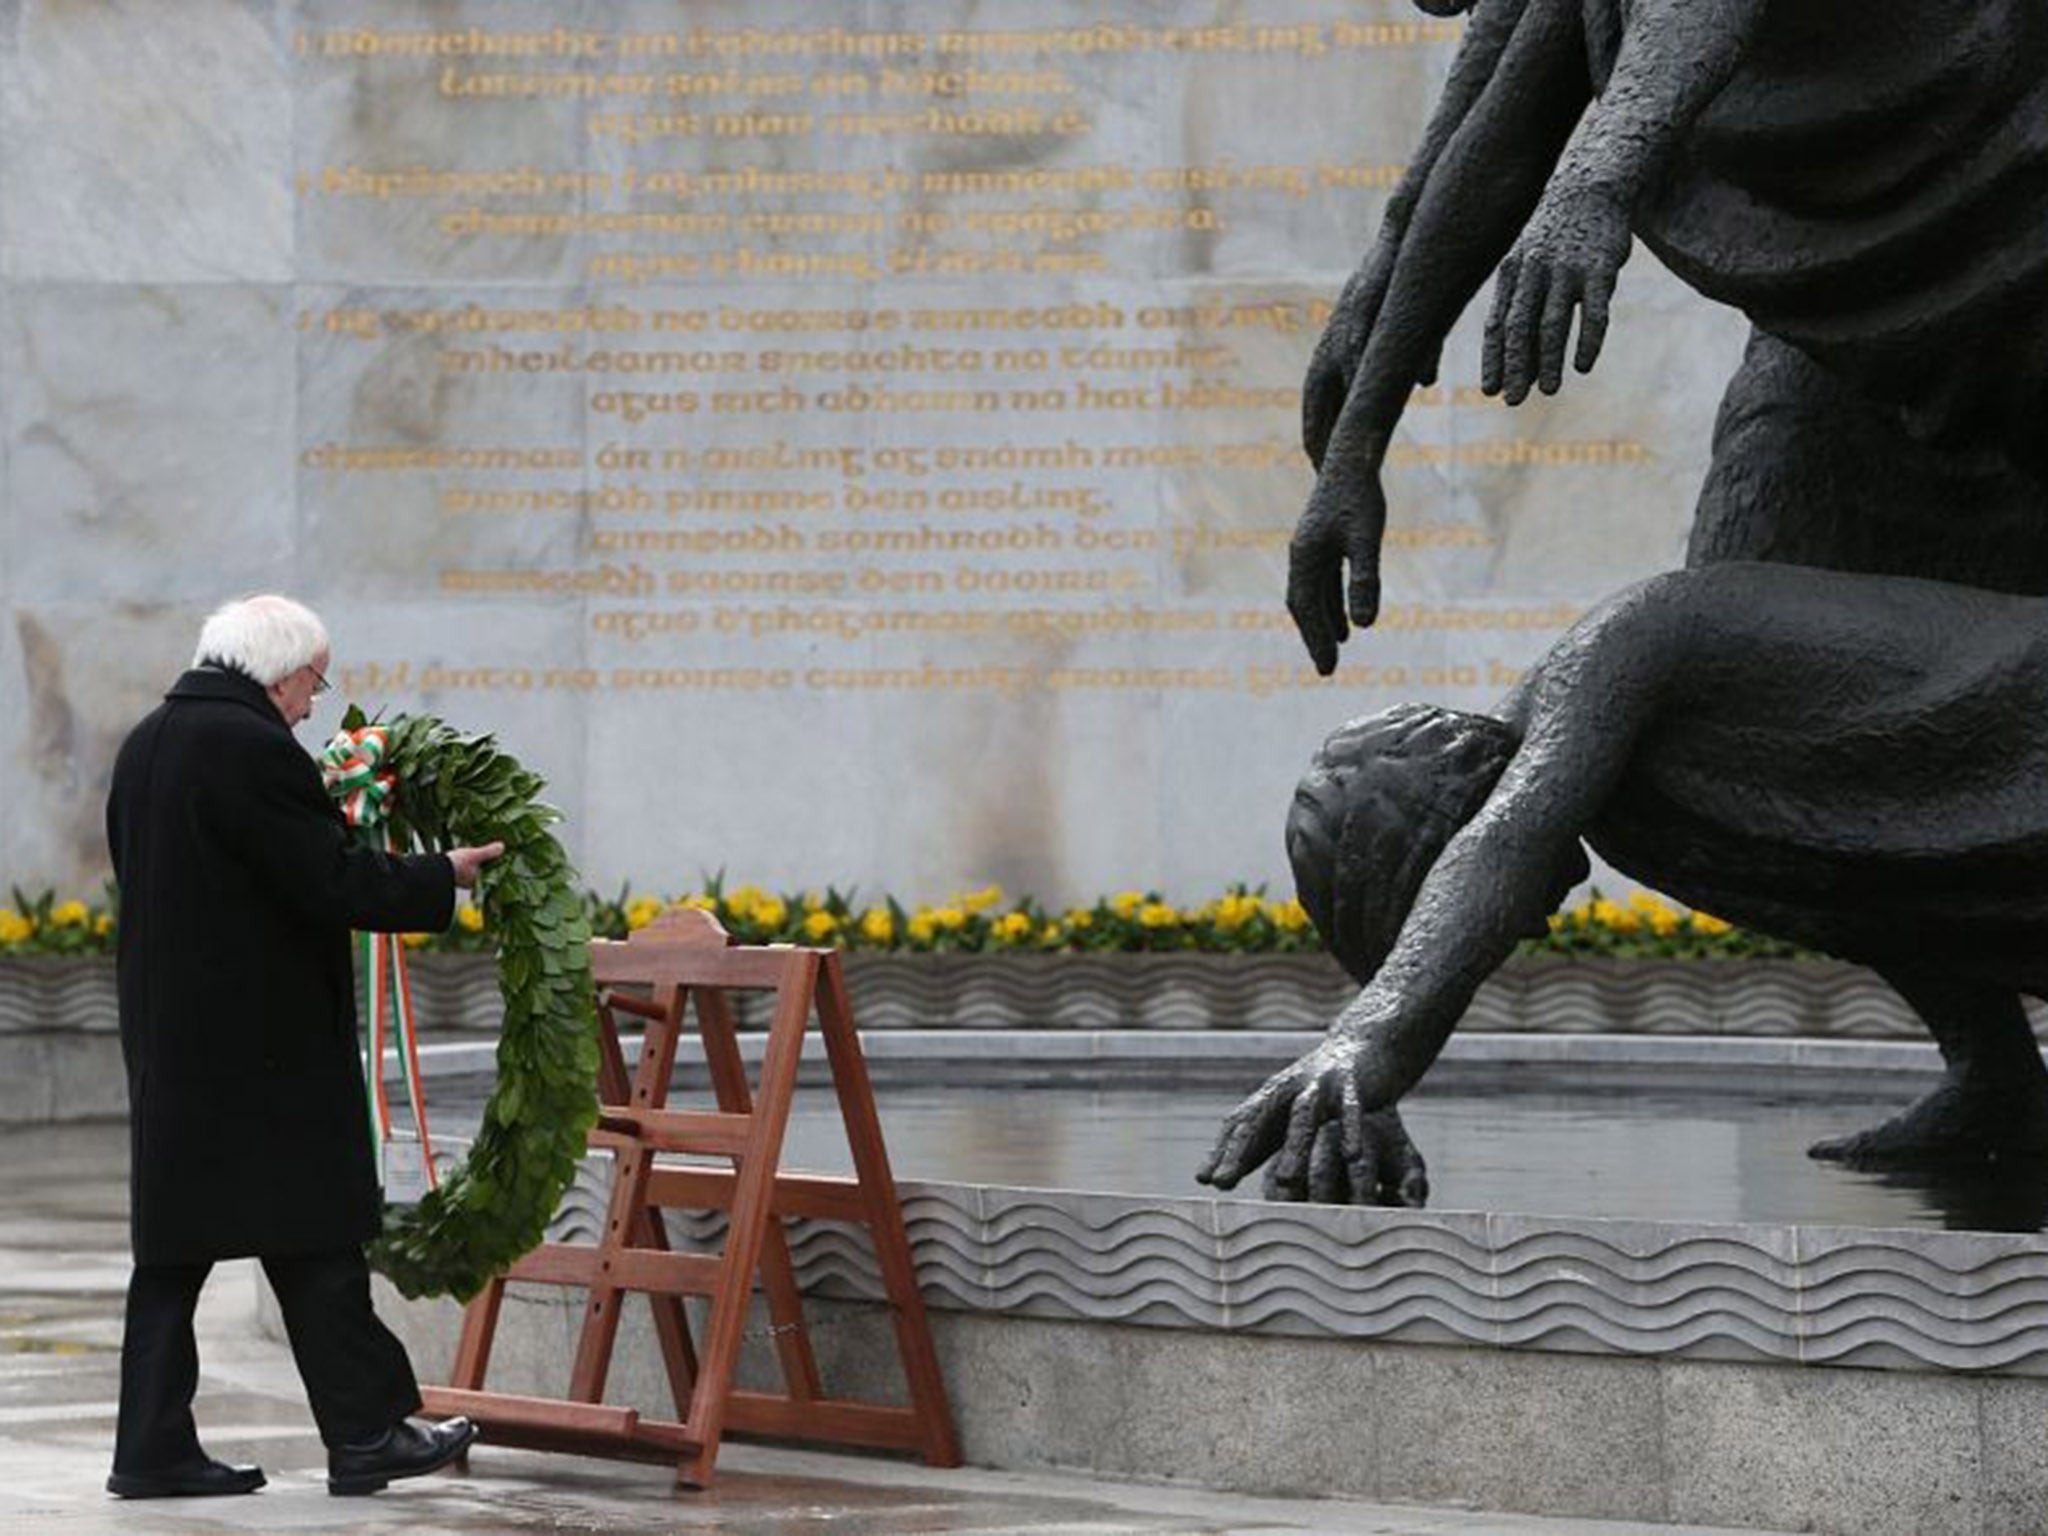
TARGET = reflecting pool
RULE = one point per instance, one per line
(1726, 1151)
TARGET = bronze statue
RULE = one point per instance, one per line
(1870, 187)
(1851, 762)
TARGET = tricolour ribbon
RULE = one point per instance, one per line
(350, 764)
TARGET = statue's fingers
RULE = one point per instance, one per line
(1249, 1135)
(1271, 1188)
(1493, 349)
(1593, 325)
(1555, 331)
(1315, 592)
(1524, 316)
(1290, 1168)
(1409, 1177)
(1363, 531)
(1361, 1151)
(1403, 1176)
(1432, 366)
(1329, 1181)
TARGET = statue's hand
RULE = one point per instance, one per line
(1343, 521)
(1565, 261)
(1332, 1148)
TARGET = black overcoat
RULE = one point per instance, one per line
(239, 884)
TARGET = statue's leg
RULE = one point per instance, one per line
(1807, 472)
(1993, 1102)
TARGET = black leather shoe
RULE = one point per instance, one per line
(194, 1480)
(403, 1450)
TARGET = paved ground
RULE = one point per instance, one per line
(62, 1268)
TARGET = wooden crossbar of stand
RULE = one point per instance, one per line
(687, 958)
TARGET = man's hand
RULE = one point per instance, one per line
(467, 861)
(1343, 521)
(1565, 261)
(1334, 1145)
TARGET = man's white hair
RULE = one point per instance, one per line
(267, 636)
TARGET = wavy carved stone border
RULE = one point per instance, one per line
(1877, 1298)
(1777, 998)
(1822, 999)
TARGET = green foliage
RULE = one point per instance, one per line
(1243, 920)
(44, 925)
(1646, 927)
(454, 791)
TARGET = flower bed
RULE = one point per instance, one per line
(1240, 921)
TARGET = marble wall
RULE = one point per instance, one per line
(398, 306)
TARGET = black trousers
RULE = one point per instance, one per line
(358, 1379)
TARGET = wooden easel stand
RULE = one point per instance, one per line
(686, 958)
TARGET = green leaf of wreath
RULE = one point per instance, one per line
(496, 1205)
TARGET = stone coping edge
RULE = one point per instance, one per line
(1877, 1298)
(1063, 1049)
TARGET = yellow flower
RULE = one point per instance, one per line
(1052, 934)
(1555, 921)
(1234, 911)
(1125, 904)
(1290, 915)
(470, 920)
(1157, 914)
(813, 902)
(1650, 908)
(922, 928)
(641, 911)
(413, 940)
(742, 902)
(1014, 927)
(983, 899)
(103, 924)
(950, 918)
(70, 914)
(1712, 927)
(1613, 915)
(699, 903)
(770, 911)
(877, 925)
(820, 925)
(14, 928)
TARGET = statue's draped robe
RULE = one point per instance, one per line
(1872, 188)
(1854, 763)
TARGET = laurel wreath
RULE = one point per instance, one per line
(457, 790)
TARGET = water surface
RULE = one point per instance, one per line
(1720, 1153)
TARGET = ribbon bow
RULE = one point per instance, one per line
(348, 766)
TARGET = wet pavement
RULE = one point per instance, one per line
(63, 1266)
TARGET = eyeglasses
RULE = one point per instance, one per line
(320, 683)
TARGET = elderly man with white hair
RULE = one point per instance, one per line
(239, 886)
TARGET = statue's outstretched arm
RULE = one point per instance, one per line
(1675, 57)
(1495, 883)
(1489, 175)
(1335, 360)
